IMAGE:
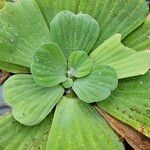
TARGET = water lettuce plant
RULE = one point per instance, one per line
(65, 56)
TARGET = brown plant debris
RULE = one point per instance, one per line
(136, 139)
(3, 76)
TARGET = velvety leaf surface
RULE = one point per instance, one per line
(50, 8)
(32, 103)
(80, 63)
(14, 136)
(77, 126)
(140, 38)
(13, 68)
(125, 61)
(130, 103)
(97, 85)
(74, 32)
(115, 16)
(22, 31)
(49, 65)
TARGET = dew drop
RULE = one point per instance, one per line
(141, 82)
(100, 84)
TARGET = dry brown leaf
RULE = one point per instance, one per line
(3, 76)
(136, 139)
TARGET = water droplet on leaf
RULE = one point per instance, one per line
(141, 82)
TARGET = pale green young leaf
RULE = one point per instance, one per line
(125, 61)
(68, 83)
(140, 38)
(79, 64)
(74, 32)
(97, 85)
(15, 136)
(50, 8)
(115, 16)
(30, 103)
(22, 31)
(49, 65)
(130, 103)
(13, 68)
(77, 126)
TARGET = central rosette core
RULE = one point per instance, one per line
(79, 65)
(67, 63)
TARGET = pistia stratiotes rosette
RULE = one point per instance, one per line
(67, 55)
(50, 68)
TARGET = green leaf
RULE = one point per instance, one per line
(22, 31)
(13, 68)
(130, 103)
(96, 86)
(50, 8)
(140, 38)
(76, 125)
(80, 63)
(68, 83)
(15, 136)
(49, 65)
(125, 61)
(74, 32)
(115, 16)
(2, 3)
(30, 103)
